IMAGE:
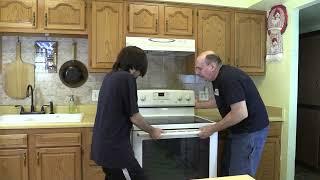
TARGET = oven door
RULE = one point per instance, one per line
(179, 154)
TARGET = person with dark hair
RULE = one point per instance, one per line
(242, 110)
(117, 111)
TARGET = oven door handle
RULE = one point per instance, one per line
(173, 134)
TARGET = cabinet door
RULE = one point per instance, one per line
(269, 168)
(143, 18)
(13, 164)
(214, 33)
(178, 20)
(250, 42)
(91, 171)
(58, 163)
(107, 33)
(18, 13)
(62, 14)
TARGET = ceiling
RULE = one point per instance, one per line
(309, 18)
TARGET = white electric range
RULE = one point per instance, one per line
(180, 153)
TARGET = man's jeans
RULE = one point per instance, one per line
(242, 152)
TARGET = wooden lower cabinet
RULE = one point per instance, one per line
(13, 156)
(91, 171)
(58, 163)
(64, 154)
(40, 154)
(13, 164)
(269, 167)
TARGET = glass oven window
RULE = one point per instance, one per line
(178, 159)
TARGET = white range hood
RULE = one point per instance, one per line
(161, 44)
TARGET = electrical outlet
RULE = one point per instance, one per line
(204, 95)
(95, 95)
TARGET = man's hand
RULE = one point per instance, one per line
(156, 133)
(207, 131)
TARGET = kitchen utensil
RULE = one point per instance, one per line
(17, 76)
(73, 73)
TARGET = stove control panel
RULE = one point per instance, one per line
(165, 98)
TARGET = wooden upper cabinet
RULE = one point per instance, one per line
(64, 14)
(178, 20)
(18, 13)
(107, 33)
(13, 164)
(143, 18)
(43, 16)
(250, 42)
(158, 19)
(215, 32)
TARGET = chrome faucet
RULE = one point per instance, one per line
(28, 94)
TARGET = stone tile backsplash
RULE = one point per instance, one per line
(165, 71)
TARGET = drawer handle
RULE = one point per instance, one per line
(156, 25)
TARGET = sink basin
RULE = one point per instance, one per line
(41, 118)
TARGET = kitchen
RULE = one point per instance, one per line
(276, 74)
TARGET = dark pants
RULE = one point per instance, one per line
(135, 172)
(242, 153)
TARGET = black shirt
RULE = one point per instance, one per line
(117, 102)
(231, 86)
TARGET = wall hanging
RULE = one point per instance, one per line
(277, 24)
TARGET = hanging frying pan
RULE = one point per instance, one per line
(73, 73)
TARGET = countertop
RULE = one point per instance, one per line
(89, 116)
(274, 113)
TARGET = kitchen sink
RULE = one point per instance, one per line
(41, 118)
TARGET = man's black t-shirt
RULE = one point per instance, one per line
(117, 102)
(231, 86)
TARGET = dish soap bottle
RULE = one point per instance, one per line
(72, 105)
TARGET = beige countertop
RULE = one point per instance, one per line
(89, 116)
(274, 113)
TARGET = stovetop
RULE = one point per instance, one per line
(176, 122)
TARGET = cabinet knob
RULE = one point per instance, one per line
(34, 19)
(38, 158)
(25, 159)
(167, 26)
(46, 19)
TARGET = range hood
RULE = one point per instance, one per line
(162, 44)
